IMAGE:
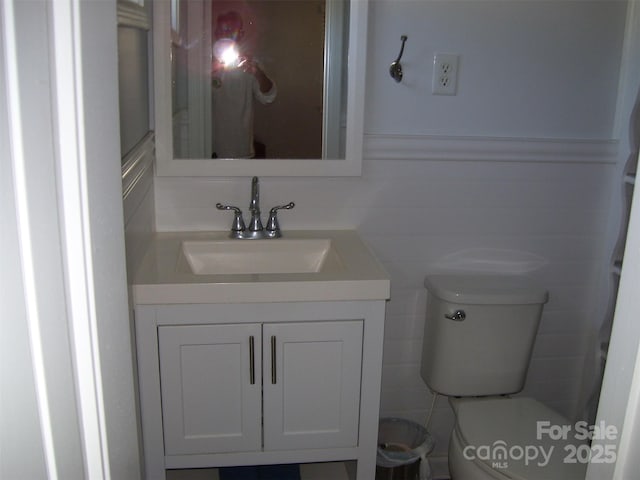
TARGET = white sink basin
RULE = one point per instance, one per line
(305, 266)
(223, 257)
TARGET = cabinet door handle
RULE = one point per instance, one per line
(273, 359)
(252, 367)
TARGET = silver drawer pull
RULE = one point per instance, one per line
(273, 359)
(457, 316)
(252, 368)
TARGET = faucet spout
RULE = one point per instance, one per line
(255, 195)
(255, 225)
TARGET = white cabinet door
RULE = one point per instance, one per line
(211, 387)
(311, 384)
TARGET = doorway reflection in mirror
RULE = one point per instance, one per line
(237, 80)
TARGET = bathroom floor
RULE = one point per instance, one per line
(308, 471)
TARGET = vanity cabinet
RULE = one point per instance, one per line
(220, 383)
(259, 383)
(211, 401)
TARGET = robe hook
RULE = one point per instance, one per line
(395, 70)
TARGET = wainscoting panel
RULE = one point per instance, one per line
(425, 204)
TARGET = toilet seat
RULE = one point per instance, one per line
(492, 432)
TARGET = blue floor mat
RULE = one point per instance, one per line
(263, 472)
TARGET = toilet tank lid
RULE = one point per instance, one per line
(486, 289)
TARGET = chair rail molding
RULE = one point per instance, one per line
(496, 149)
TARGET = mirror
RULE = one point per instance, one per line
(310, 122)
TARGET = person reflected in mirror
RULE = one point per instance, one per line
(237, 80)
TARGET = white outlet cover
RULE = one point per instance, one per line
(445, 74)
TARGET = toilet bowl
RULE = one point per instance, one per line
(505, 438)
(479, 334)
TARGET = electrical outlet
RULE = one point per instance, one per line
(445, 74)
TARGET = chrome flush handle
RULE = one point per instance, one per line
(457, 316)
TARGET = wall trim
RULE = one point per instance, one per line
(136, 163)
(496, 149)
(132, 14)
(137, 173)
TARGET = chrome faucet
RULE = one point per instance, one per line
(255, 230)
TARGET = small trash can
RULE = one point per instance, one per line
(401, 445)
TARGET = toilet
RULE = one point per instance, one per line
(479, 334)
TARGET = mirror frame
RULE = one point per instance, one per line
(351, 165)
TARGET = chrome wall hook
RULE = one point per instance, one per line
(395, 70)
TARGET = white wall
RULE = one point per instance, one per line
(527, 68)
(138, 148)
(490, 191)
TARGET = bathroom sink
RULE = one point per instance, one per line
(304, 266)
(224, 257)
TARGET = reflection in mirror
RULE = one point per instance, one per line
(250, 80)
(302, 105)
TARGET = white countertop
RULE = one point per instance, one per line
(163, 277)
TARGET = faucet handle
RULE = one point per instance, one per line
(273, 227)
(238, 222)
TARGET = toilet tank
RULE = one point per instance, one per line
(479, 333)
